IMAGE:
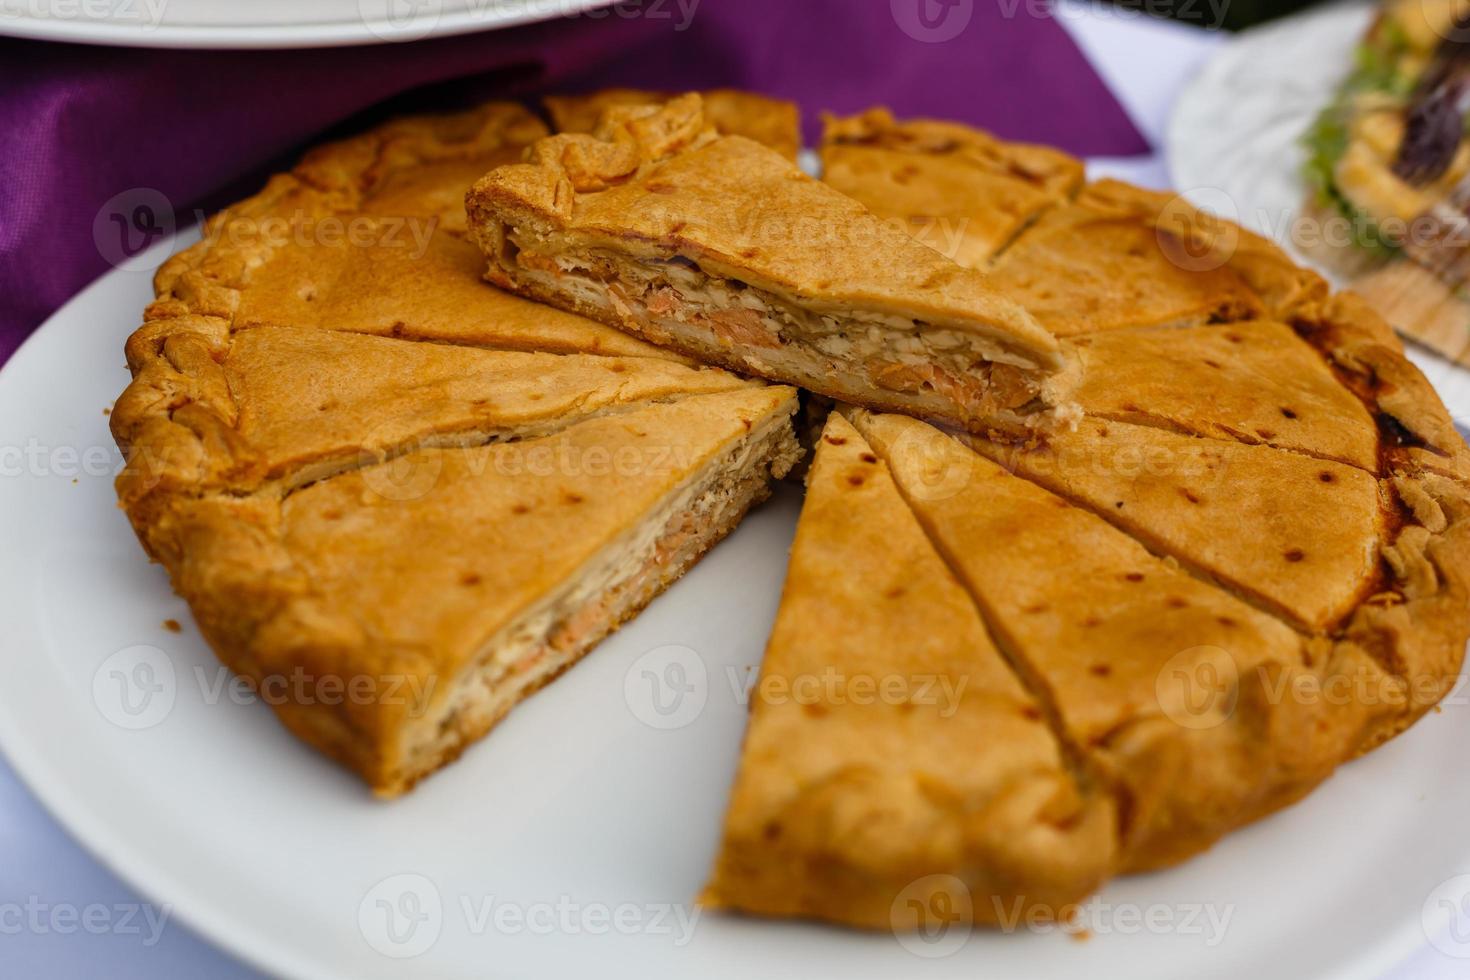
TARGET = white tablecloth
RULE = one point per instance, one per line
(45, 878)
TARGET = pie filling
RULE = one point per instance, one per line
(611, 587)
(941, 371)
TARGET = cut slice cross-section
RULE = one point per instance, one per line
(446, 585)
(721, 249)
(892, 754)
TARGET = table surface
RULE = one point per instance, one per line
(46, 877)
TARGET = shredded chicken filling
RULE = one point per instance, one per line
(892, 352)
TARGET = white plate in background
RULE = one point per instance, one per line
(275, 23)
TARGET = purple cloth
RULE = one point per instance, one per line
(105, 146)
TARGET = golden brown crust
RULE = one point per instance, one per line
(1416, 426)
(287, 577)
(1253, 382)
(889, 740)
(1417, 626)
(1311, 551)
(327, 586)
(1121, 256)
(285, 406)
(656, 224)
(957, 189)
(773, 122)
(321, 245)
(1188, 703)
(707, 188)
(271, 363)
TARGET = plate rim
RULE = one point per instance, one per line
(360, 32)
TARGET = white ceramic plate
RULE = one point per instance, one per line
(277, 23)
(1233, 135)
(1233, 140)
(571, 841)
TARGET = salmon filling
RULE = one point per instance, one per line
(676, 303)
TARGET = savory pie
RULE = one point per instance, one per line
(721, 249)
(365, 468)
(1237, 557)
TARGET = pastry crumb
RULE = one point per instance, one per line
(173, 626)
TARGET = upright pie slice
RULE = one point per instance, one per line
(958, 190)
(773, 122)
(889, 741)
(1295, 533)
(723, 250)
(1180, 696)
(444, 586)
(1255, 382)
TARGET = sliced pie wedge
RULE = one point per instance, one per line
(889, 741)
(1120, 256)
(1255, 382)
(721, 249)
(286, 406)
(440, 588)
(958, 190)
(367, 235)
(392, 283)
(1298, 534)
(774, 122)
(1079, 270)
(1283, 288)
(1184, 699)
